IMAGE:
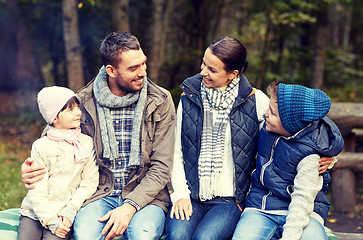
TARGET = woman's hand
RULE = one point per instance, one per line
(182, 209)
(324, 163)
(31, 174)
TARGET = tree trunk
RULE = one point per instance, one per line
(319, 50)
(19, 67)
(265, 50)
(334, 20)
(347, 24)
(73, 48)
(8, 46)
(28, 74)
(119, 11)
(157, 50)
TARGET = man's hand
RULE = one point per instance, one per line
(118, 219)
(31, 174)
(182, 209)
(63, 228)
(324, 163)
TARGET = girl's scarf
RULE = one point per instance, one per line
(106, 101)
(71, 136)
(213, 137)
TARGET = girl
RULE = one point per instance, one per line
(48, 210)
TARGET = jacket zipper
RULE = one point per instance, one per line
(269, 161)
(264, 198)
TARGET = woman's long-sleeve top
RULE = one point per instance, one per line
(178, 178)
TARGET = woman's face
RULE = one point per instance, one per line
(213, 71)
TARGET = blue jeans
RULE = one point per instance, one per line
(213, 219)
(256, 225)
(148, 223)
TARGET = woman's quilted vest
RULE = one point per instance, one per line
(244, 134)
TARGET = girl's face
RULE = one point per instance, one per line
(68, 118)
(213, 71)
(273, 121)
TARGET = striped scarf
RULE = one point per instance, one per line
(210, 161)
(106, 100)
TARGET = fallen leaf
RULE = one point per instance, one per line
(351, 215)
(332, 220)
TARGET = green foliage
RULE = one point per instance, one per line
(339, 67)
(351, 92)
(342, 76)
(12, 190)
(293, 12)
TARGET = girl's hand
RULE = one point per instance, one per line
(182, 209)
(63, 228)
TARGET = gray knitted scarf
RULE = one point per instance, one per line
(210, 161)
(106, 101)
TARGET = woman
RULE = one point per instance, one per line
(217, 130)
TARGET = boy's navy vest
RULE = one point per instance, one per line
(272, 191)
(244, 134)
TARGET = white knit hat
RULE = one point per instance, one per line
(51, 100)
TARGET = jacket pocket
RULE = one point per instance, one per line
(58, 165)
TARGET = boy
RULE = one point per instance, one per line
(47, 212)
(287, 197)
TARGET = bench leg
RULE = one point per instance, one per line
(343, 190)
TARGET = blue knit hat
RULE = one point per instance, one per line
(298, 106)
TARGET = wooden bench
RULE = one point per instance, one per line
(349, 236)
(9, 223)
(349, 118)
(344, 181)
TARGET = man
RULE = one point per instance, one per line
(132, 123)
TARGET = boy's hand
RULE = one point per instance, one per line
(31, 174)
(324, 163)
(63, 228)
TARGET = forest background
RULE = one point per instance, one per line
(317, 43)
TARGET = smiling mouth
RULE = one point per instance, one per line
(206, 80)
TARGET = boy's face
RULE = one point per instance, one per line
(68, 118)
(273, 121)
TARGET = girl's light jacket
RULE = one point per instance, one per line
(65, 186)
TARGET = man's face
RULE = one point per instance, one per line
(128, 75)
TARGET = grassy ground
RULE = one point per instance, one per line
(12, 190)
(20, 125)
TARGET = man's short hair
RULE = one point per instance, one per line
(114, 44)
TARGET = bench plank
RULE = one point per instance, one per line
(346, 115)
(349, 236)
(353, 160)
